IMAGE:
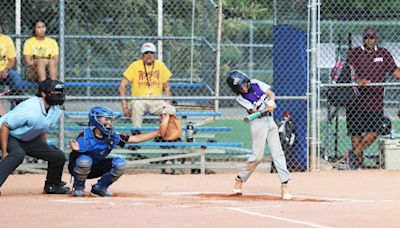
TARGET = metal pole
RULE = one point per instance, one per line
(18, 33)
(192, 42)
(275, 13)
(251, 41)
(314, 78)
(160, 29)
(61, 41)
(218, 55)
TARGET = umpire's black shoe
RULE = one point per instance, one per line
(55, 189)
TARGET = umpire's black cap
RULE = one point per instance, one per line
(50, 85)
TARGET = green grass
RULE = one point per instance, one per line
(240, 131)
(344, 141)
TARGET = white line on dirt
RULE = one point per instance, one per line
(183, 193)
(277, 218)
(75, 201)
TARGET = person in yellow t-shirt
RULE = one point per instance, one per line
(41, 54)
(148, 77)
(8, 76)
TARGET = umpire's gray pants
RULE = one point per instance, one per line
(17, 150)
(262, 130)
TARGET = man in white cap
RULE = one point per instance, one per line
(148, 77)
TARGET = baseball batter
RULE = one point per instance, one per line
(256, 96)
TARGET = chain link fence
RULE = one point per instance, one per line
(367, 125)
(270, 41)
(259, 47)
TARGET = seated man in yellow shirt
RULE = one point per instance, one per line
(148, 77)
(41, 54)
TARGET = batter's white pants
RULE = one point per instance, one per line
(262, 130)
(155, 107)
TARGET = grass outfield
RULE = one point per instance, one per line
(240, 131)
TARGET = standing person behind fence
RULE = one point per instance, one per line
(148, 77)
(7, 62)
(41, 54)
(89, 151)
(255, 96)
(22, 132)
(366, 121)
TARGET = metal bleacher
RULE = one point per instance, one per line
(155, 153)
(205, 145)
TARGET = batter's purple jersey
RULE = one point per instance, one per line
(256, 97)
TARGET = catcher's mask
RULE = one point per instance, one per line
(54, 91)
(104, 124)
(236, 80)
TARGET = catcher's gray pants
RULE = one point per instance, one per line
(155, 107)
(262, 130)
(35, 148)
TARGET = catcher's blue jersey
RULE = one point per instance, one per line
(96, 148)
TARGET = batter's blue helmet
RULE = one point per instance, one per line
(236, 80)
(97, 112)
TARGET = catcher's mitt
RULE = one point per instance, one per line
(170, 127)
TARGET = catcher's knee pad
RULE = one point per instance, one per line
(118, 167)
(83, 167)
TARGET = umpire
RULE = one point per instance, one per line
(22, 132)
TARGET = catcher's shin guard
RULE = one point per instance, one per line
(81, 172)
(118, 168)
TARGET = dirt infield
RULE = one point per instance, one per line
(323, 199)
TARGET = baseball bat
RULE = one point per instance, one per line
(253, 116)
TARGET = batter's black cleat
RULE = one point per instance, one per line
(55, 189)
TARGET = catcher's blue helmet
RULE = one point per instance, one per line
(236, 80)
(100, 111)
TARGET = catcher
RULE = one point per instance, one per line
(89, 151)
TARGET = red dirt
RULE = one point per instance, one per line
(324, 199)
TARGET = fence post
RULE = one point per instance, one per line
(218, 56)
(314, 78)
(61, 41)
(18, 33)
(203, 161)
(160, 29)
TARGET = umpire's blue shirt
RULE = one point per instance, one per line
(29, 119)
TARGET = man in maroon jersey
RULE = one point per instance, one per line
(366, 121)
